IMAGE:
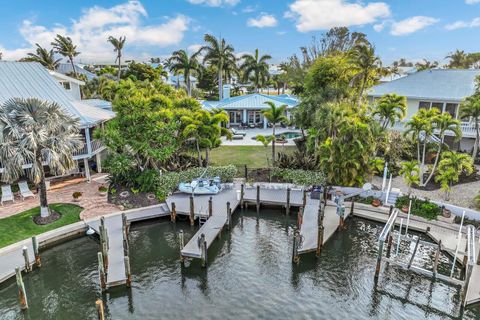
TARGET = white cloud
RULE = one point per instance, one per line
(194, 47)
(215, 3)
(250, 9)
(411, 25)
(96, 24)
(379, 26)
(263, 21)
(324, 14)
(472, 1)
(463, 24)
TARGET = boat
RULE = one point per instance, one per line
(201, 186)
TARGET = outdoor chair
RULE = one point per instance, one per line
(25, 192)
(7, 194)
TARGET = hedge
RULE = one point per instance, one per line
(298, 176)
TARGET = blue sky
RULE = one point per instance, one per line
(413, 29)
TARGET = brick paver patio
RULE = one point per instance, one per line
(91, 201)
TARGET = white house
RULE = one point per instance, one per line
(32, 80)
(443, 89)
(246, 110)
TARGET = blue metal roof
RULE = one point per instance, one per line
(32, 80)
(436, 84)
(65, 68)
(254, 101)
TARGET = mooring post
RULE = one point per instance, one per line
(437, 258)
(242, 195)
(203, 247)
(192, 211)
(36, 252)
(389, 244)
(173, 213)
(321, 229)
(128, 272)
(229, 216)
(100, 309)
(352, 207)
(181, 241)
(304, 197)
(22, 295)
(101, 272)
(379, 258)
(296, 244)
(287, 207)
(246, 173)
(28, 267)
(258, 199)
(300, 218)
(125, 223)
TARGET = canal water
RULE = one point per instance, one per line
(250, 276)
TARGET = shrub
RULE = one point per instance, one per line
(421, 208)
(77, 194)
(297, 160)
(477, 201)
(297, 176)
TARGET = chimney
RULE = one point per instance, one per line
(226, 91)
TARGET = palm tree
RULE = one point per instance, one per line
(426, 65)
(443, 123)
(180, 62)
(220, 54)
(43, 56)
(367, 63)
(390, 108)
(274, 115)
(255, 68)
(118, 44)
(64, 46)
(471, 108)
(458, 60)
(452, 165)
(36, 132)
(410, 173)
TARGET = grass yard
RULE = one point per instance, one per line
(21, 226)
(252, 156)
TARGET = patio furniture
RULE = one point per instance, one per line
(239, 133)
(25, 192)
(7, 194)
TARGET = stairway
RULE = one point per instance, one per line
(393, 195)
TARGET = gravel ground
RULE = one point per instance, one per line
(461, 195)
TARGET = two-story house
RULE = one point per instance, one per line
(32, 80)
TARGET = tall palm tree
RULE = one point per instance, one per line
(180, 62)
(118, 44)
(43, 56)
(458, 60)
(274, 115)
(443, 123)
(367, 63)
(220, 54)
(255, 68)
(390, 108)
(426, 65)
(36, 132)
(471, 108)
(65, 47)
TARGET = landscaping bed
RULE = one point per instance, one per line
(421, 208)
(432, 185)
(123, 196)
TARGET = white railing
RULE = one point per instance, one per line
(96, 145)
(468, 129)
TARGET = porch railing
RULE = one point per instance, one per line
(467, 128)
(96, 145)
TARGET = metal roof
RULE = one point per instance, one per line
(32, 80)
(252, 102)
(65, 68)
(436, 84)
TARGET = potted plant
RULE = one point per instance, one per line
(446, 213)
(405, 209)
(77, 195)
(102, 190)
(376, 203)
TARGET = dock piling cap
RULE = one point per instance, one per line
(90, 232)
(367, 186)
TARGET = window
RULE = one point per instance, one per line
(452, 109)
(66, 85)
(424, 105)
(438, 105)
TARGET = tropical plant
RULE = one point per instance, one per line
(43, 56)
(452, 165)
(36, 132)
(410, 173)
(477, 201)
(118, 44)
(470, 108)
(181, 63)
(274, 115)
(65, 47)
(390, 108)
(458, 60)
(426, 65)
(255, 68)
(367, 65)
(220, 54)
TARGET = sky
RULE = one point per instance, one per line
(411, 29)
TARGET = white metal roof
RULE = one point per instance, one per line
(254, 101)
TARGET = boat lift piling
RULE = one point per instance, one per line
(36, 252)
(22, 295)
(173, 213)
(28, 266)
(102, 272)
(100, 309)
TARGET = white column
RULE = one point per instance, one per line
(245, 118)
(98, 160)
(87, 169)
(88, 141)
(264, 123)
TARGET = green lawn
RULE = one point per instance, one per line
(21, 226)
(252, 156)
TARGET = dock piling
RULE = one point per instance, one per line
(258, 199)
(22, 296)
(300, 218)
(125, 224)
(304, 198)
(352, 207)
(36, 252)
(229, 216)
(287, 207)
(210, 207)
(100, 309)
(321, 229)
(242, 195)
(28, 267)
(101, 271)
(128, 273)
(173, 213)
(181, 241)
(437, 257)
(192, 211)
(203, 246)
(379, 258)
(296, 244)
(246, 173)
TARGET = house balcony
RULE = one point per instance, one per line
(467, 128)
(89, 150)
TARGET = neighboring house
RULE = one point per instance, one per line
(400, 73)
(66, 68)
(32, 80)
(71, 85)
(178, 81)
(443, 89)
(247, 110)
